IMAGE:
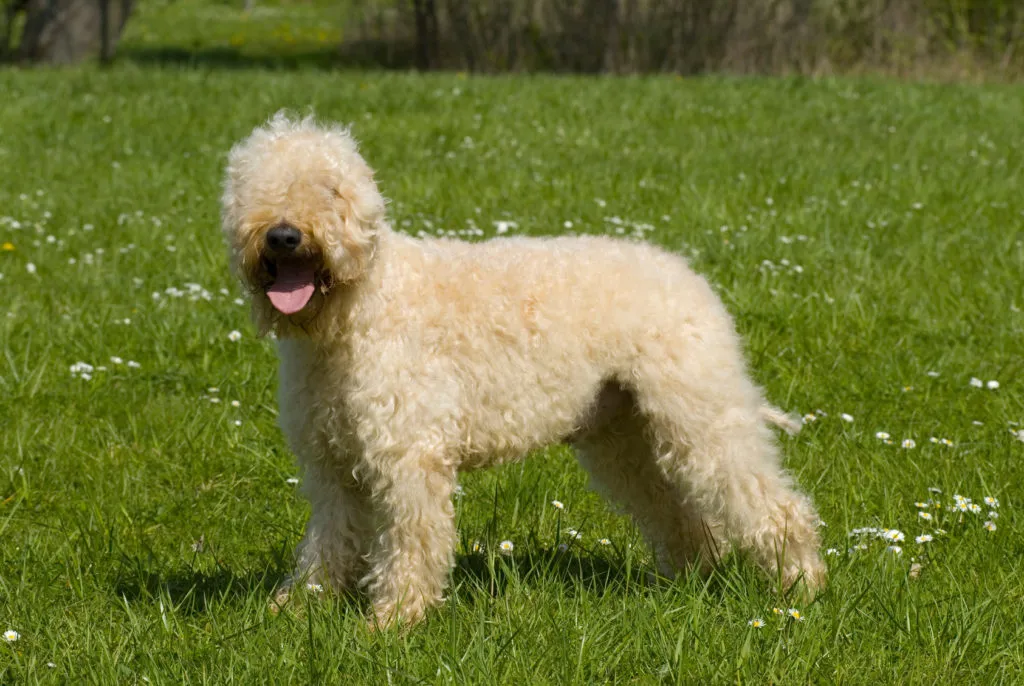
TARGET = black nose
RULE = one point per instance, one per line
(283, 239)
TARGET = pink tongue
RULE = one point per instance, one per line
(292, 288)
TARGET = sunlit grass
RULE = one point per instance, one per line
(867, 236)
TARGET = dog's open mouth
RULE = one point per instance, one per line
(293, 282)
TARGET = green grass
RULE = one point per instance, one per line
(909, 197)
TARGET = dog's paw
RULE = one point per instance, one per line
(280, 600)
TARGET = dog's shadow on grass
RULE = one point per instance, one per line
(194, 590)
(194, 587)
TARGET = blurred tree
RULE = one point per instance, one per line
(64, 31)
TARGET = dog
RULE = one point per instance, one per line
(404, 361)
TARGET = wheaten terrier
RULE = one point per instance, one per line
(403, 361)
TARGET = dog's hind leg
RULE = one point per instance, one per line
(711, 440)
(618, 457)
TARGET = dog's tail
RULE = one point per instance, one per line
(786, 422)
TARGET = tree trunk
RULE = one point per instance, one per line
(70, 31)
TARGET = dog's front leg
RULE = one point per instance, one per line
(340, 526)
(414, 552)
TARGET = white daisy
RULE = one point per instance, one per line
(894, 535)
(11, 635)
(846, 417)
(990, 525)
(808, 418)
(882, 435)
(315, 588)
(292, 480)
(506, 547)
(992, 385)
(895, 550)
(604, 541)
(991, 502)
(235, 336)
(573, 533)
(557, 504)
(756, 623)
(976, 382)
(795, 614)
(908, 443)
(925, 515)
(923, 538)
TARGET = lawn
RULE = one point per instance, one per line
(867, 235)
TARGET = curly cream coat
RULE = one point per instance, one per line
(410, 360)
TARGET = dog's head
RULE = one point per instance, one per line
(301, 215)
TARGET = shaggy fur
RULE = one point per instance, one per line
(414, 359)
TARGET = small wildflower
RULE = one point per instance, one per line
(11, 635)
(976, 382)
(933, 489)
(132, 364)
(934, 375)
(925, 515)
(990, 525)
(235, 336)
(238, 422)
(908, 443)
(882, 435)
(292, 480)
(832, 551)
(557, 504)
(604, 541)
(992, 514)
(895, 550)
(795, 614)
(894, 535)
(808, 418)
(846, 417)
(573, 533)
(932, 439)
(315, 588)
(908, 389)
(31, 269)
(940, 532)
(975, 508)
(923, 538)
(992, 385)
(991, 502)
(756, 623)
(506, 547)
(562, 547)
(477, 547)
(923, 506)
(947, 442)
(776, 611)
(235, 403)
(8, 246)
(116, 360)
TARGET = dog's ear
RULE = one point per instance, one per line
(359, 209)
